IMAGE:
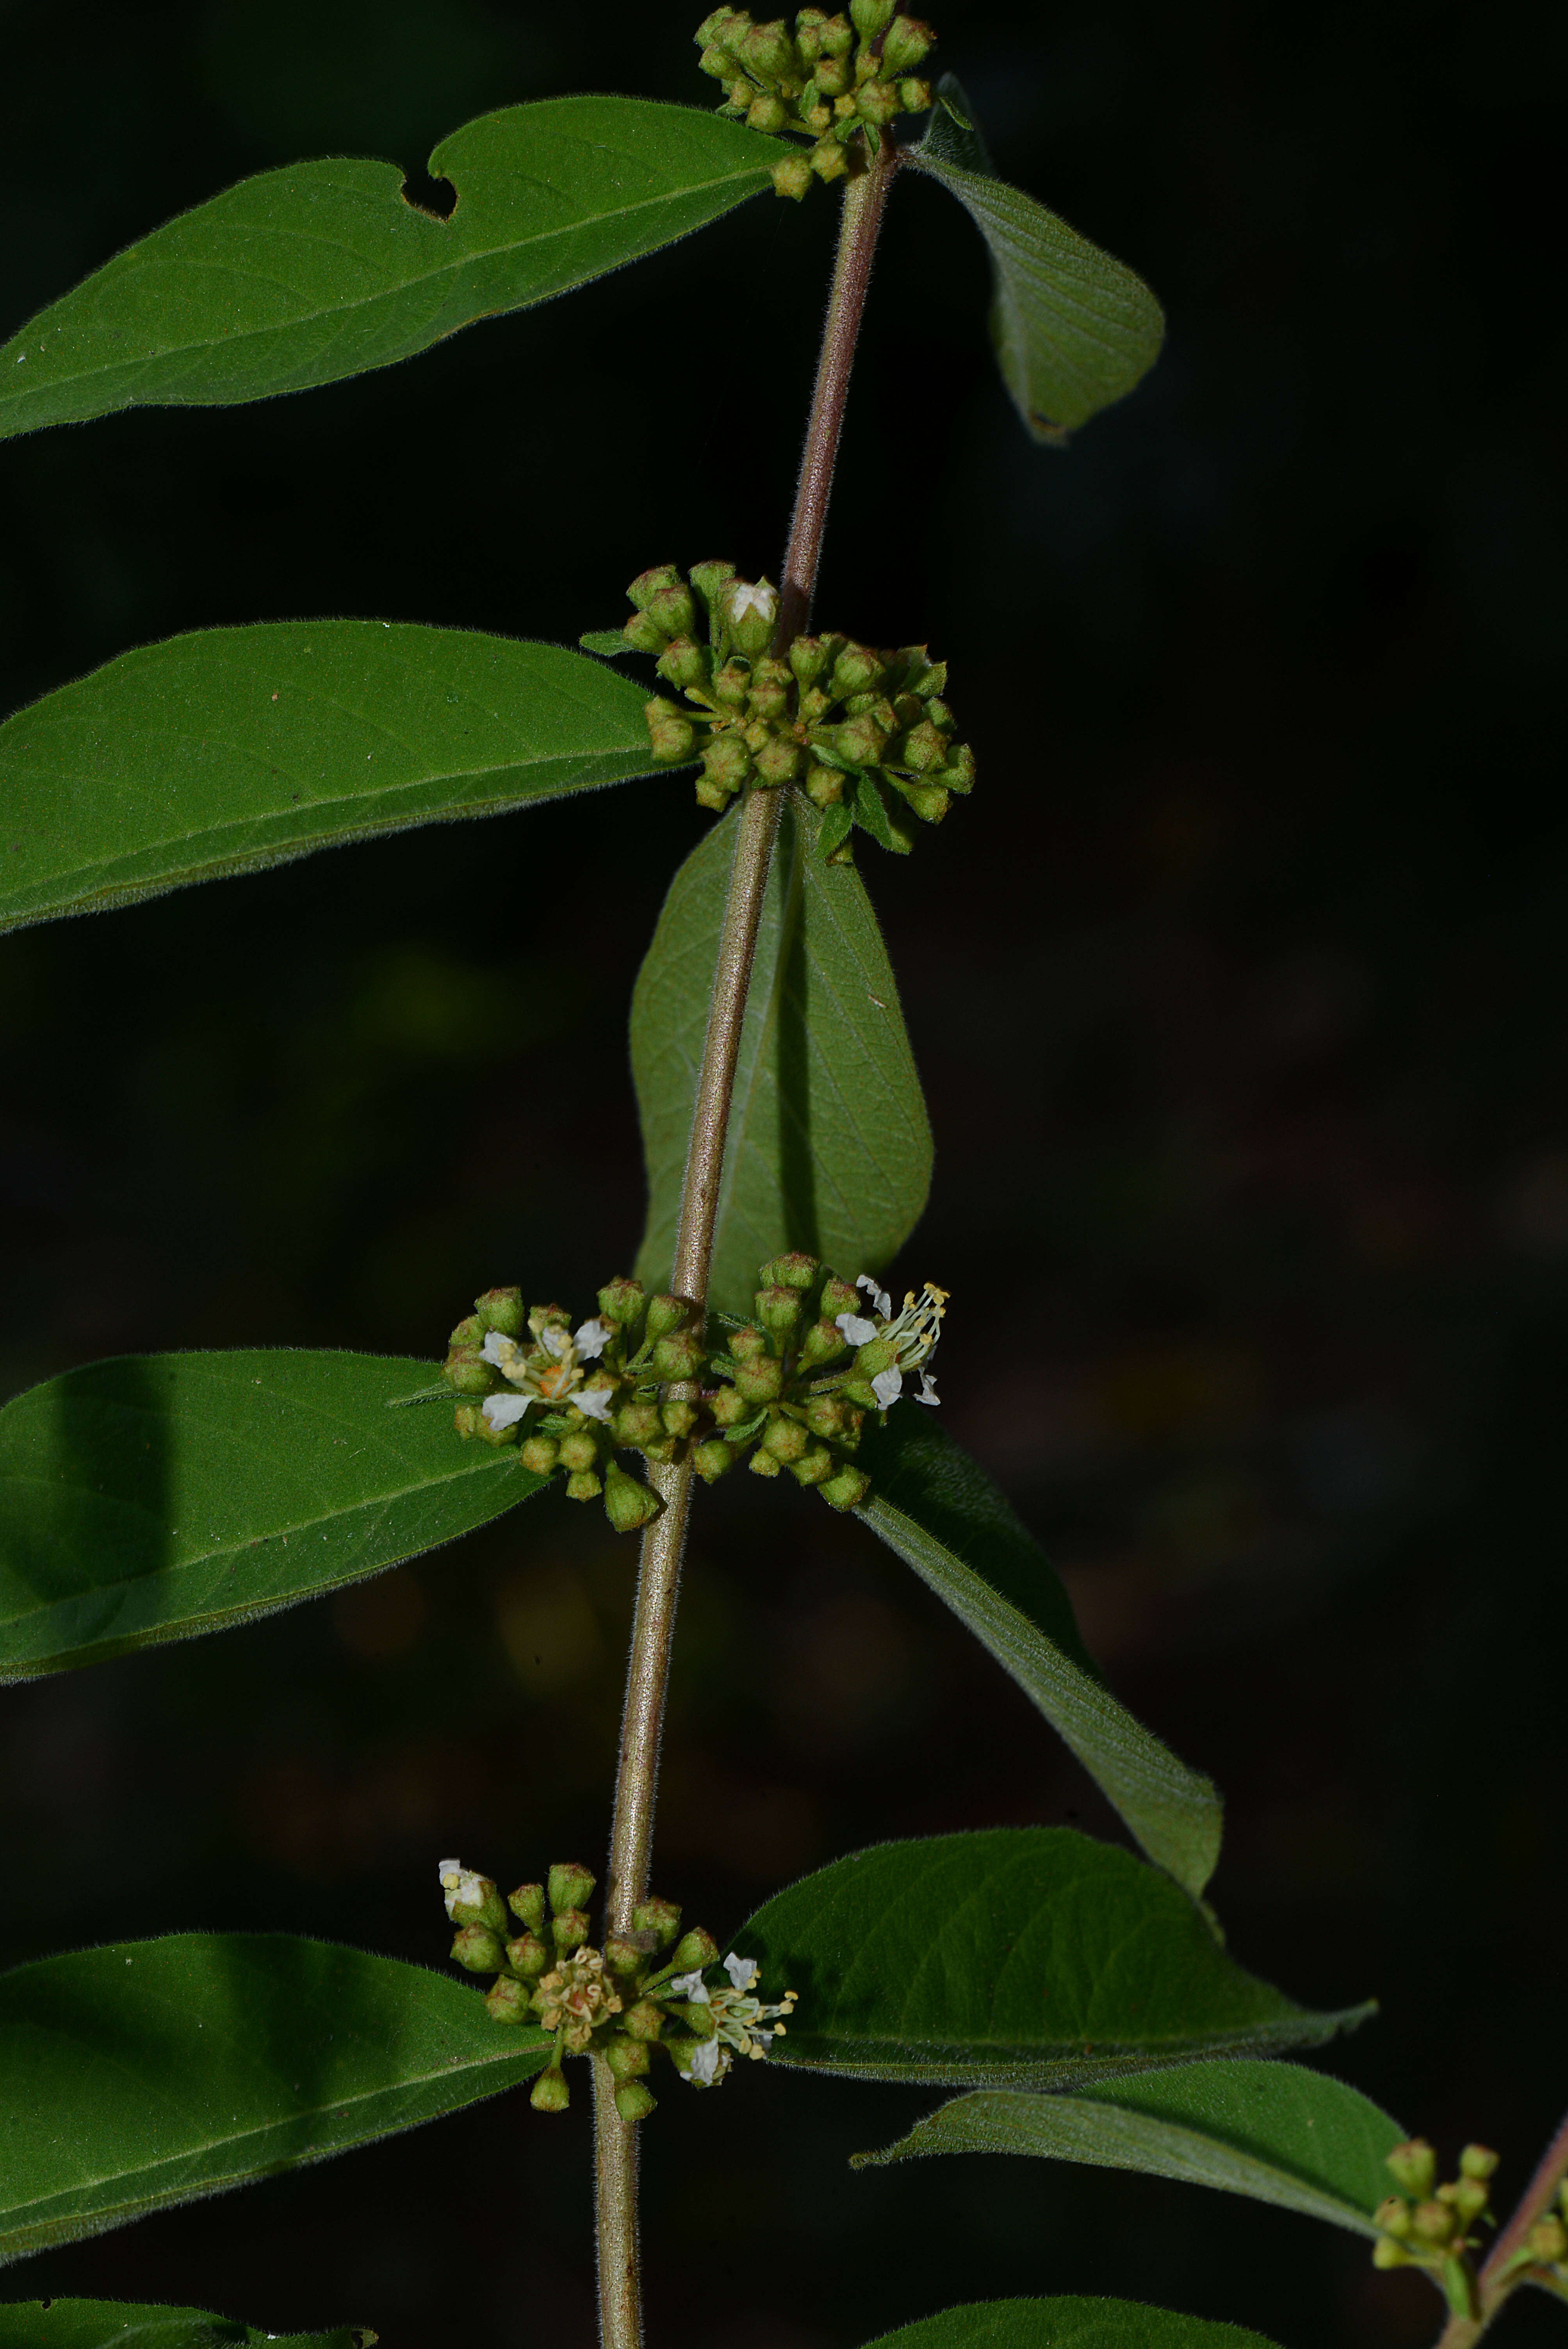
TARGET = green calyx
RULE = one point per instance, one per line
(791, 1389)
(624, 2004)
(865, 733)
(837, 81)
(1434, 2226)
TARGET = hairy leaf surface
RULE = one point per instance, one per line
(1073, 328)
(940, 1511)
(1017, 1957)
(324, 270)
(234, 747)
(152, 2072)
(158, 1495)
(1066, 2323)
(134, 2324)
(830, 1148)
(1276, 2132)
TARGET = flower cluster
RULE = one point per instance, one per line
(785, 1392)
(1435, 2227)
(831, 79)
(865, 733)
(616, 2004)
(791, 1387)
(595, 1389)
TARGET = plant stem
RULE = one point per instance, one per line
(658, 1578)
(1494, 2284)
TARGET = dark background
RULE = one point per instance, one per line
(1238, 994)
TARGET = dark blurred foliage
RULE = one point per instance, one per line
(1238, 991)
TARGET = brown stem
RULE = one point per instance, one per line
(1495, 2284)
(658, 1576)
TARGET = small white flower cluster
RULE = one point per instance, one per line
(738, 2019)
(913, 1334)
(553, 1387)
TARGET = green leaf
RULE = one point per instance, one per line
(608, 642)
(152, 2072)
(234, 747)
(133, 2324)
(325, 269)
(1274, 2131)
(1074, 330)
(830, 1149)
(158, 1495)
(940, 1511)
(1066, 2323)
(1017, 1957)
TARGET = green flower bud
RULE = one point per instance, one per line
(502, 1309)
(838, 36)
(471, 1899)
(707, 578)
(680, 1419)
(928, 801)
(467, 1374)
(471, 1331)
(692, 1951)
(648, 585)
(1469, 2197)
(914, 96)
(666, 1313)
(1548, 2242)
(539, 1455)
(672, 609)
(580, 1452)
(1394, 2215)
(908, 41)
(878, 102)
(829, 1416)
(661, 1918)
(644, 2020)
(527, 1904)
(762, 1380)
(767, 52)
(582, 1486)
(795, 1270)
(821, 1343)
(626, 1959)
(778, 1310)
(870, 17)
(814, 1466)
(839, 1297)
(747, 1344)
(1434, 2222)
(628, 1505)
(828, 160)
(713, 27)
(628, 2058)
(792, 177)
(621, 1302)
(685, 663)
(861, 740)
(713, 1460)
(478, 1949)
(925, 747)
(508, 2000)
(527, 1954)
(470, 1421)
(765, 1464)
(847, 1489)
(749, 611)
(1478, 2161)
(634, 2102)
(678, 1356)
(569, 1930)
(876, 1354)
(786, 1439)
(1413, 2166)
(569, 1885)
(715, 62)
(833, 77)
(670, 731)
(767, 113)
(857, 670)
(780, 761)
(729, 1408)
(1388, 2254)
(549, 2093)
(637, 1421)
(824, 786)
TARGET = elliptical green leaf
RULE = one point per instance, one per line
(1066, 2323)
(132, 2324)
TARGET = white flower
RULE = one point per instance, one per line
(503, 1354)
(690, 1986)
(927, 1389)
(856, 1332)
(708, 2064)
(879, 1296)
(887, 1386)
(591, 1338)
(501, 1411)
(596, 1402)
(462, 1887)
(554, 1340)
(743, 597)
(742, 1972)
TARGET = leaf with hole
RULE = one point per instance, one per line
(940, 1511)
(149, 2073)
(134, 2324)
(1016, 1957)
(1066, 2323)
(324, 270)
(1276, 2132)
(1073, 328)
(236, 748)
(158, 1495)
(830, 1149)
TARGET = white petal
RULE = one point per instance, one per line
(746, 597)
(553, 1340)
(597, 1401)
(500, 1410)
(742, 1972)
(879, 1296)
(452, 1867)
(690, 1986)
(591, 1338)
(856, 1331)
(887, 1386)
(927, 1389)
(703, 2063)
(497, 1351)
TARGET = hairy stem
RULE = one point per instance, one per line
(658, 1579)
(1499, 2276)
